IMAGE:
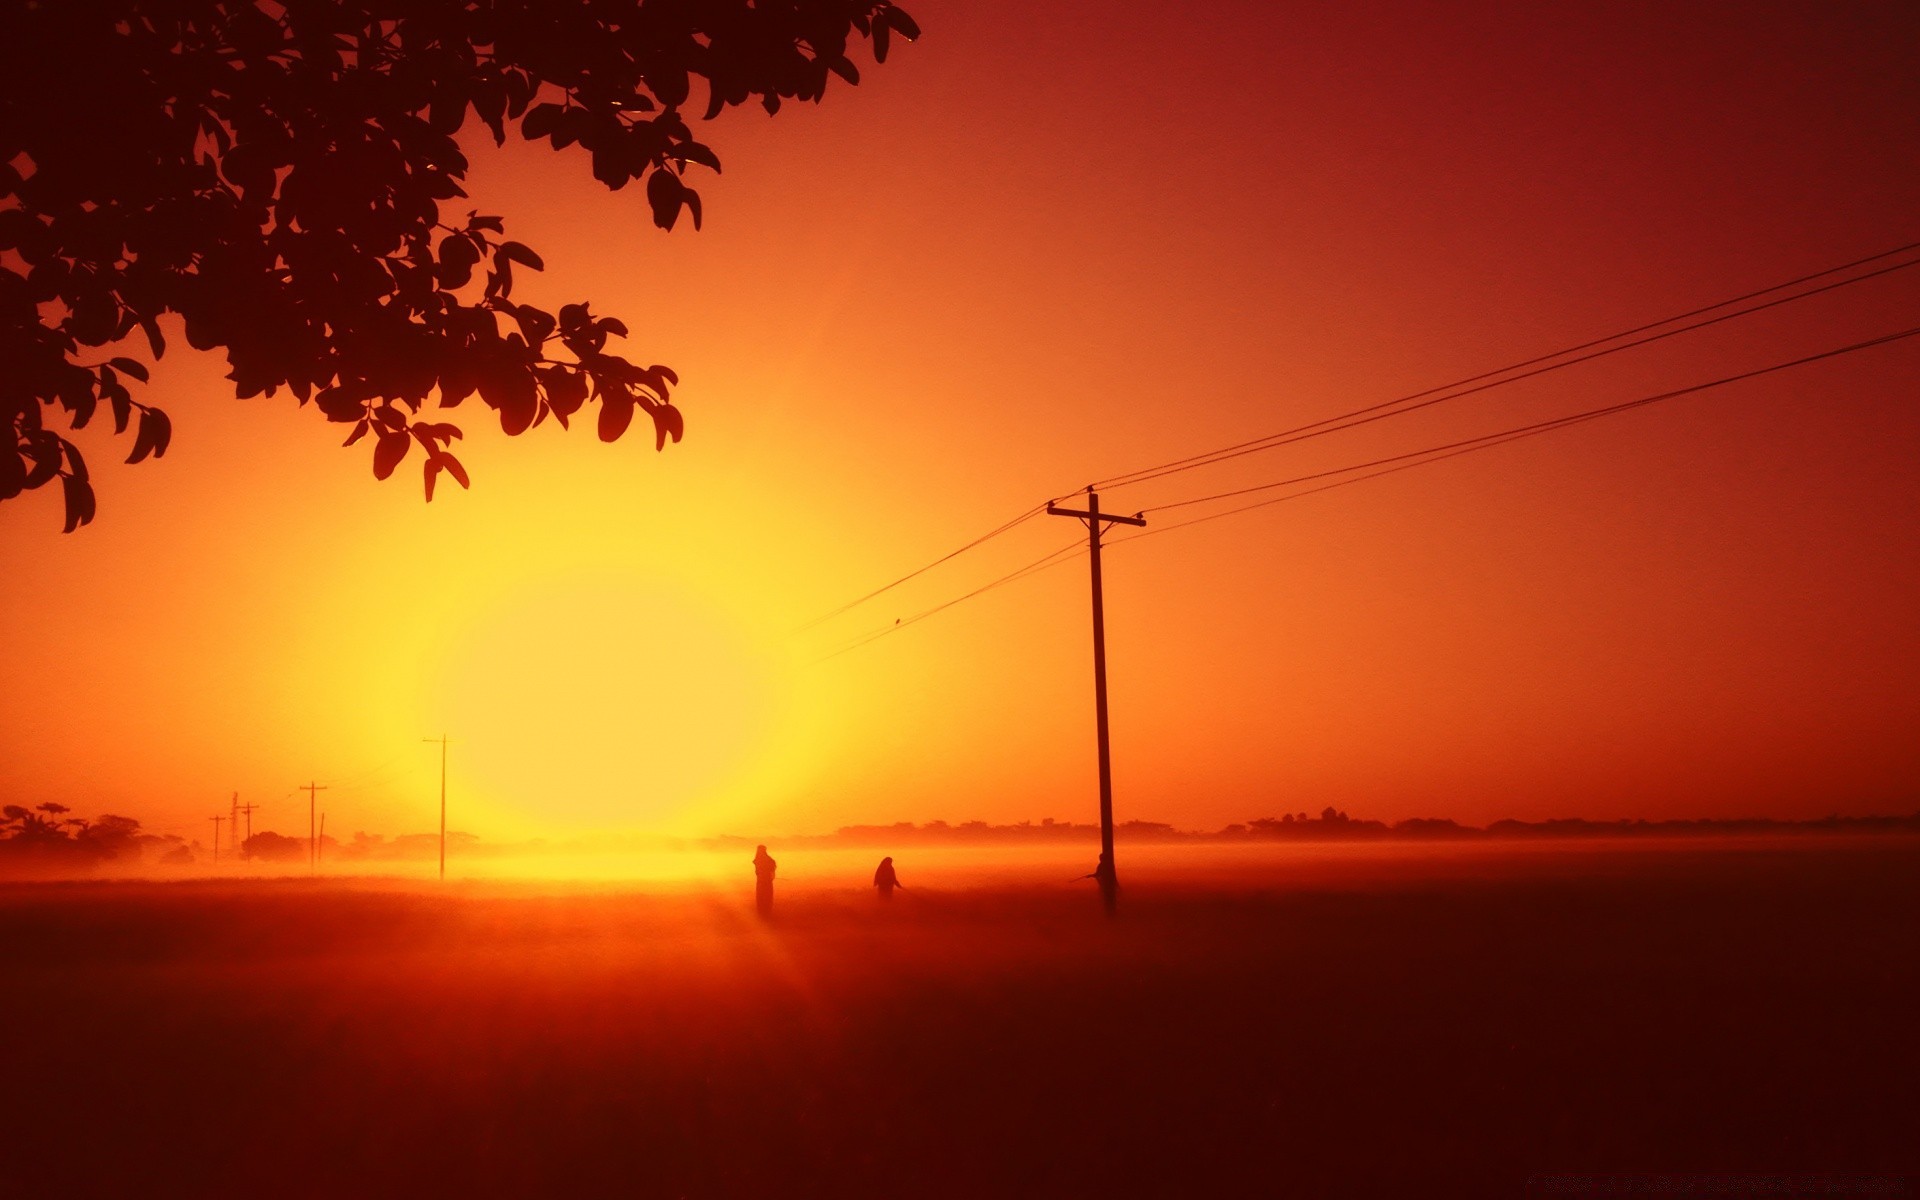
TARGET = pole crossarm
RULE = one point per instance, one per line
(1111, 519)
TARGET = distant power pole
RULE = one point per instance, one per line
(216, 836)
(233, 820)
(313, 834)
(442, 739)
(1107, 873)
(245, 849)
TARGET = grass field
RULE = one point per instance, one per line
(1425, 1021)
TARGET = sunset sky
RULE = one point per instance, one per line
(1028, 253)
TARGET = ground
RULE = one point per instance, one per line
(1430, 1023)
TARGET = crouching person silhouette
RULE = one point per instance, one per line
(1109, 882)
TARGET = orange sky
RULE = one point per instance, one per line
(1030, 252)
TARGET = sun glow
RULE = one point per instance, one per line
(607, 701)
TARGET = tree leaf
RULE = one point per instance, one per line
(663, 196)
(44, 449)
(388, 449)
(667, 423)
(541, 120)
(143, 436)
(520, 254)
(616, 413)
(162, 431)
(509, 389)
(78, 494)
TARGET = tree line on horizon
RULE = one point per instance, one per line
(45, 839)
(1335, 825)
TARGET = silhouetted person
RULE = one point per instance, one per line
(1109, 882)
(763, 868)
(885, 880)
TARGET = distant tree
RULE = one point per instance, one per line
(111, 837)
(279, 174)
(43, 836)
(275, 847)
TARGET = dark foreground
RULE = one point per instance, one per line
(1737, 1012)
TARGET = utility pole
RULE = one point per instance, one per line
(1106, 873)
(216, 836)
(248, 810)
(313, 834)
(316, 844)
(233, 821)
(442, 739)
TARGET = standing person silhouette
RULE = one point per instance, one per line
(885, 880)
(763, 868)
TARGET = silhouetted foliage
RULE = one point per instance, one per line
(279, 175)
(45, 837)
(1331, 825)
(407, 846)
(268, 846)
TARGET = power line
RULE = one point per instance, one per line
(373, 775)
(916, 573)
(1491, 379)
(1392, 464)
(1428, 397)
(1415, 458)
(1063, 554)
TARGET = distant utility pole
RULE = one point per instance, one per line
(233, 819)
(442, 739)
(1107, 873)
(313, 834)
(245, 849)
(216, 836)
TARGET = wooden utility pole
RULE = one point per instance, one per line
(216, 836)
(247, 809)
(313, 834)
(1106, 873)
(442, 739)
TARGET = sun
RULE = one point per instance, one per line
(606, 701)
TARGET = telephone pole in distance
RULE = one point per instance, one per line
(247, 810)
(313, 834)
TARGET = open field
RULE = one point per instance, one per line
(1426, 1021)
